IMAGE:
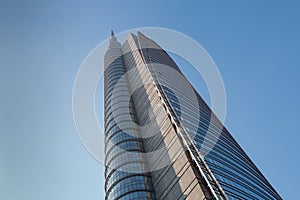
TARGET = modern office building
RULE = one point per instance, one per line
(159, 148)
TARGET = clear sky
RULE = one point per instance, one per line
(255, 44)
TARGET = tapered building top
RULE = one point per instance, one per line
(113, 40)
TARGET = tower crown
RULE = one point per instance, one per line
(113, 42)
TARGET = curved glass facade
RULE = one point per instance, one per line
(238, 177)
(120, 183)
(207, 162)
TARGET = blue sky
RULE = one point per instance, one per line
(255, 44)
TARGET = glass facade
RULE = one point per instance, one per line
(224, 170)
(120, 182)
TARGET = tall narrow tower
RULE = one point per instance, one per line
(125, 174)
(158, 148)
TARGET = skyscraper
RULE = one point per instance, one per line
(159, 143)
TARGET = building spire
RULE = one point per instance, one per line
(113, 40)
